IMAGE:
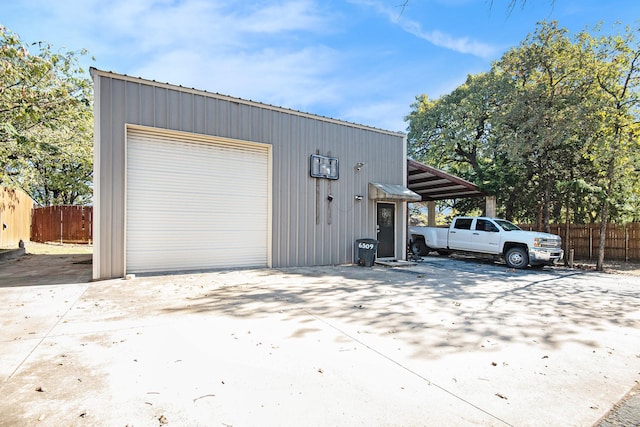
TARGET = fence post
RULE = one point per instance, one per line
(590, 242)
(626, 242)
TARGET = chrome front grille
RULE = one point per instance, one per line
(550, 243)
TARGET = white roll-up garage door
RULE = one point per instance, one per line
(195, 203)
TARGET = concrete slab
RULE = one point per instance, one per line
(28, 317)
(445, 342)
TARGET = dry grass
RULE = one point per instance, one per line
(629, 268)
(52, 248)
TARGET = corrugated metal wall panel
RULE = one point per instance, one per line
(160, 106)
(147, 117)
(195, 204)
(340, 222)
(199, 116)
(296, 238)
(187, 113)
(132, 99)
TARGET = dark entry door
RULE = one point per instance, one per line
(386, 230)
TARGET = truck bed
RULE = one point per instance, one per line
(434, 237)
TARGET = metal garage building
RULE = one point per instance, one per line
(191, 180)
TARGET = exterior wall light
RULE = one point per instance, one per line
(358, 197)
(359, 166)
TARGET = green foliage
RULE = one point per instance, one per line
(455, 133)
(418, 213)
(46, 134)
(614, 145)
(551, 130)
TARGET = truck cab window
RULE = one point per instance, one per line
(484, 225)
(506, 225)
(463, 223)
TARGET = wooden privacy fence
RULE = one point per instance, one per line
(622, 241)
(15, 217)
(64, 224)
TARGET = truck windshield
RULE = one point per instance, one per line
(506, 225)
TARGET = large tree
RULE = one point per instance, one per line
(541, 116)
(551, 130)
(614, 145)
(45, 121)
(455, 133)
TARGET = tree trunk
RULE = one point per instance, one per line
(545, 210)
(539, 221)
(567, 234)
(604, 216)
(603, 235)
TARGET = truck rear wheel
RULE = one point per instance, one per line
(516, 257)
(419, 248)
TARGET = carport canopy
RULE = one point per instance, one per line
(433, 184)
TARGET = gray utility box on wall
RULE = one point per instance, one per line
(366, 251)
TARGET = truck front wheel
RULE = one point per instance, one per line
(516, 257)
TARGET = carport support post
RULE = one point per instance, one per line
(490, 206)
(431, 213)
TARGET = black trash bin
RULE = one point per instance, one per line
(366, 251)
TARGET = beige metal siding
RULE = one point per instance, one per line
(306, 228)
(310, 229)
(195, 203)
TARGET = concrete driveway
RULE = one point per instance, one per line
(447, 342)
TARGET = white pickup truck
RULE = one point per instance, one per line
(488, 236)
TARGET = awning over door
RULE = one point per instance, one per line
(392, 192)
(433, 184)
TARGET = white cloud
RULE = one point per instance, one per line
(286, 16)
(212, 24)
(278, 52)
(268, 50)
(464, 45)
(141, 26)
(294, 79)
(460, 44)
(385, 114)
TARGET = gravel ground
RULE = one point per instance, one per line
(629, 268)
(626, 413)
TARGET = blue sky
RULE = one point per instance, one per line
(362, 61)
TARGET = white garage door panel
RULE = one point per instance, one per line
(195, 204)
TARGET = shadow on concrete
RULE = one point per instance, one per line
(439, 308)
(38, 270)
